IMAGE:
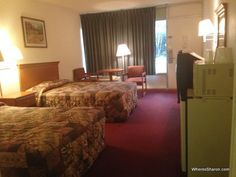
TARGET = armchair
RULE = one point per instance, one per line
(137, 74)
(80, 75)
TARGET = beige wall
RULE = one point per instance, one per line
(63, 34)
(209, 6)
(182, 24)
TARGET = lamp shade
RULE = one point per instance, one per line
(11, 53)
(223, 55)
(205, 27)
(122, 50)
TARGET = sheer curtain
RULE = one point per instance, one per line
(103, 32)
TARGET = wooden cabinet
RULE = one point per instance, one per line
(22, 99)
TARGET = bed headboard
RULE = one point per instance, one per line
(31, 74)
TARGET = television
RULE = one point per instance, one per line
(184, 73)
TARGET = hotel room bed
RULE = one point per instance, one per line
(118, 99)
(49, 142)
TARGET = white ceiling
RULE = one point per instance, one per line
(91, 6)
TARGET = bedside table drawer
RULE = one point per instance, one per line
(26, 101)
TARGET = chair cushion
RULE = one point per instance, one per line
(135, 71)
(135, 79)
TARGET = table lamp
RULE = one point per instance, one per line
(122, 51)
(8, 56)
(11, 54)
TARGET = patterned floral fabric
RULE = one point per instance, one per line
(49, 142)
(47, 85)
(118, 99)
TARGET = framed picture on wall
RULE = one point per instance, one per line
(34, 32)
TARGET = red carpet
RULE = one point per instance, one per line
(147, 145)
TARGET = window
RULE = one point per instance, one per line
(161, 55)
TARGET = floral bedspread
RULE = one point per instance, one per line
(49, 142)
(118, 99)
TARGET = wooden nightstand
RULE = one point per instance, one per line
(23, 99)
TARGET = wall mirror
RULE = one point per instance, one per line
(221, 12)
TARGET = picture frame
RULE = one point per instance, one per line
(34, 32)
(221, 12)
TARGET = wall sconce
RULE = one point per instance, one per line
(122, 51)
(205, 28)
